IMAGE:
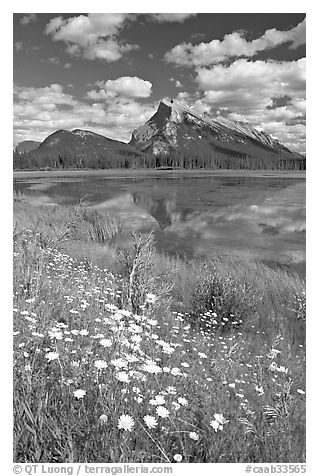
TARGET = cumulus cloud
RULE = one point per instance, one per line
(93, 36)
(29, 18)
(130, 86)
(171, 17)
(39, 112)
(234, 45)
(268, 94)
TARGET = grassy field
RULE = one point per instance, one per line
(125, 355)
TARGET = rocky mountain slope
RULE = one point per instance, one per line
(176, 128)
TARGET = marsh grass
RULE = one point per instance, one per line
(214, 343)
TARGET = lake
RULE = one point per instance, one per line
(201, 213)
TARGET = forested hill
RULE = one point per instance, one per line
(79, 149)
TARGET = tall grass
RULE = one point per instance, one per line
(98, 352)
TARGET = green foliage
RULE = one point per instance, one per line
(64, 159)
(228, 300)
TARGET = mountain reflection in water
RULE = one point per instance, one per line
(199, 216)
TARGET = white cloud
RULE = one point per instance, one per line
(244, 91)
(234, 45)
(93, 36)
(29, 18)
(171, 17)
(39, 112)
(272, 77)
(53, 60)
(130, 86)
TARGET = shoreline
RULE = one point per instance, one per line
(128, 173)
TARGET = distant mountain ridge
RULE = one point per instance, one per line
(177, 128)
(78, 148)
(174, 137)
(26, 146)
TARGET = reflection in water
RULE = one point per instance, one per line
(195, 216)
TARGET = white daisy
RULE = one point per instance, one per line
(100, 364)
(125, 422)
(52, 356)
(150, 421)
(79, 393)
(162, 411)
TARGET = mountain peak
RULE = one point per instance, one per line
(175, 127)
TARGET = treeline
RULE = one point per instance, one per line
(68, 159)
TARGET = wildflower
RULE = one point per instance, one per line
(182, 401)
(84, 332)
(29, 301)
(106, 342)
(75, 364)
(27, 368)
(220, 419)
(55, 334)
(119, 363)
(202, 355)
(79, 393)
(162, 411)
(150, 421)
(214, 424)
(123, 377)
(103, 419)
(273, 353)
(158, 400)
(231, 385)
(152, 322)
(136, 338)
(152, 368)
(282, 369)
(273, 366)
(125, 422)
(171, 390)
(100, 364)
(167, 349)
(184, 364)
(52, 356)
(260, 390)
(178, 458)
(150, 298)
(193, 436)
(176, 371)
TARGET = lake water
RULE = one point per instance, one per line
(195, 215)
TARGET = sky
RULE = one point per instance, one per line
(107, 72)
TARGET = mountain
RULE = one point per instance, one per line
(77, 148)
(26, 146)
(176, 128)
(83, 142)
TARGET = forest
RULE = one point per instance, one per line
(66, 158)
